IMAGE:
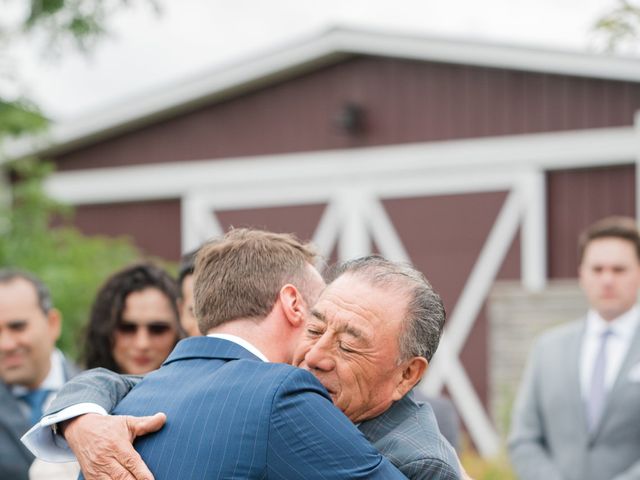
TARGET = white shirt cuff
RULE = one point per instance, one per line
(47, 445)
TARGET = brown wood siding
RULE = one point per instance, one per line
(404, 101)
(443, 236)
(154, 226)
(577, 198)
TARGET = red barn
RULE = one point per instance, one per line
(475, 162)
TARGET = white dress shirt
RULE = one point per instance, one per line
(622, 330)
(46, 445)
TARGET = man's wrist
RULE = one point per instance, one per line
(69, 413)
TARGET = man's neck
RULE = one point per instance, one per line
(257, 333)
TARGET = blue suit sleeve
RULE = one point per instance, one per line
(311, 438)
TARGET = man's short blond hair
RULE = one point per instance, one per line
(241, 274)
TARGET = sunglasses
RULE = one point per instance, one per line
(153, 329)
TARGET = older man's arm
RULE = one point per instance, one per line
(527, 452)
(102, 444)
(98, 386)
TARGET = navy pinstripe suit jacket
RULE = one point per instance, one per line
(232, 416)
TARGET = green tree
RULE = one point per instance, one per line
(56, 27)
(71, 264)
(620, 27)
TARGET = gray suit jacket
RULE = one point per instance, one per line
(549, 438)
(407, 434)
(15, 459)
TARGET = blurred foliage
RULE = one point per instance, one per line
(620, 27)
(479, 468)
(72, 265)
(53, 27)
(61, 24)
(18, 117)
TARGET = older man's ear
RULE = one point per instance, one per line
(412, 371)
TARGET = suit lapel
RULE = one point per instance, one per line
(572, 380)
(13, 419)
(632, 358)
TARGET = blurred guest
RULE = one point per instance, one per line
(134, 321)
(31, 368)
(577, 416)
(185, 280)
(132, 328)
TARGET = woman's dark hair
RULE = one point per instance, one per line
(107, 308)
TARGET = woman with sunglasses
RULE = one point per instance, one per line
(132, 329)
(134, 321)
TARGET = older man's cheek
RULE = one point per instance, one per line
(299, 353)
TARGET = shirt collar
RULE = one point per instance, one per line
(54, 380)
(623, 326)
(242, 342)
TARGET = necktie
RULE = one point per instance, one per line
(597, 392)
(35, 399)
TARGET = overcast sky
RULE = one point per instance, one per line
(147, 52)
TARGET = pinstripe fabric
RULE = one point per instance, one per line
(232, 416)
(408, 435)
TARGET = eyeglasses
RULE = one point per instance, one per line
(153, 329)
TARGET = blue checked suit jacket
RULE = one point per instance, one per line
(232, 416)
(408, 435)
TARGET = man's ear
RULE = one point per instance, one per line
(412, 372)
(292, 304)
(54, 319)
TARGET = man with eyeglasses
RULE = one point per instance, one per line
(31, 368)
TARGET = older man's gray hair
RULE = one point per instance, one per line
(425, 315)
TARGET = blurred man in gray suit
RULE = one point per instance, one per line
(577, 415)
(31, 369)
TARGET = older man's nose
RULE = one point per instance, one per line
(318, 358)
